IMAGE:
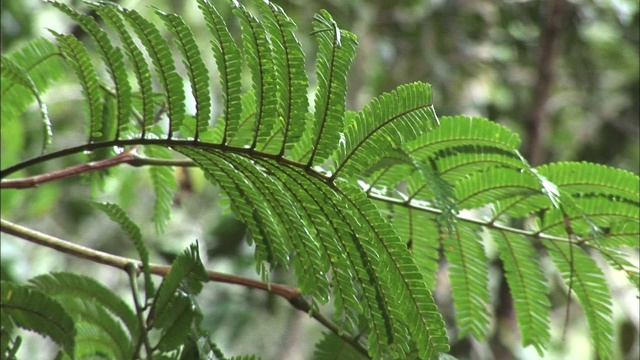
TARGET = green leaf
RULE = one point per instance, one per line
(158, 50)
(258, 55)
(113, 19)
(584, 277)
(98, 332)
(175, 321)
(589, 179)
(196, 70)
(164, 185)
(468, 274)
(187, 269)
(34, 310)
(332, 347)
(78, 58)
(527, 287)
(291, 75)
(229, 63)
(13, 72)
(43, 65)
(420, 231)
(86, 289)
(119, 216)
(384, 125)
(113, 59)
(336, 50)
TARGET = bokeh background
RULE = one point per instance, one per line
(563, 74)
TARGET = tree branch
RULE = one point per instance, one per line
(538, 121)
(130, 157)
(290, 293)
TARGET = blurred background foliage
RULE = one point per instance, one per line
(563, 74)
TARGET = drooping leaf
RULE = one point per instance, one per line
(113, 60)
(468, 274)
(41, 61)
(336, 50)
(588, 283)
(34, 310)
(196, 70)
(77, 57)
(119, 216)
(164, 185)
(87, 289)
(13, 72)
(527, 288)
(158, 49)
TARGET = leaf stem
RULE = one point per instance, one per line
(132, 271)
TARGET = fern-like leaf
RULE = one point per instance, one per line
(259, 58)
(164, 185)
(140, 67)
(78, 58)
(291, 75)
(119, 216)
(582, 274)
(384, 125)
(13, 72)
(113, 59)
(158, 49)
(187, 269)
(40, 59)
(468, 275)
(34, 310)
(228, 60)
(267, 235)
(527, 288)
(196, 70)
(86, 289)
(336, 50)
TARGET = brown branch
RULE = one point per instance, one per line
(538, 121)
(290, 293)
(130, 157)
(285, 291)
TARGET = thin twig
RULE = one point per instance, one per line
(132, 270)
(290, 293)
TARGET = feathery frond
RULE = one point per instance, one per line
(336, 50)
(23, 306)
(158, 49)
(77, 57)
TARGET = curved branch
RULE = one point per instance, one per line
(290, 293)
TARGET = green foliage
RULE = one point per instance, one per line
(87, 319)
(331, 347)
(359, 204)
(118, 215)
(26, 74)
(33, 310)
